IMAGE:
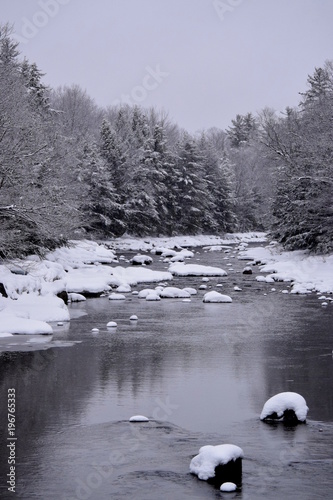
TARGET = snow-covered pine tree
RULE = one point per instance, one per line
(101, 206)
(193, 200)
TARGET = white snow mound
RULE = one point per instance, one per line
(209, 457)
(216, 297)
(181, 269)
(285, 401)
(172, 292)
(139, 418)
(228, 487)
(23, 326)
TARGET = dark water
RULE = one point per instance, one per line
(201, 372)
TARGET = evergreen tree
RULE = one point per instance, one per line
(242, 130)
(193, 201)
(101, 206)
(218, 178)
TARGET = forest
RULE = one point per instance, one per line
(70, 169)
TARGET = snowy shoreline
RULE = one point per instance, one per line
(32, 284)
(305, 272)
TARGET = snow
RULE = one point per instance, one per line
(139, 418)
(209, 457)
(89, 280)
(171, 292)
(111, 324)
(153, 296)
(216, 297)
(190, 290)
(228, 487)
(35, 307)
(76, 297)
(141, 260)
(77, 269)
(247, 270)
(134, 275)
(285, 401)
(169, 253)
(182, 255)
(13, 324)
(85, 251)
(180, 269)
(117, 296)
(217, 248)
(146, 291)
(306, 272)
(124, 288)
(151, 243)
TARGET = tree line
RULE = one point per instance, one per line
(70, 169)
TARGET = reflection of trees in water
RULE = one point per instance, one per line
(50, 386)
(297, 355)
(136, 360)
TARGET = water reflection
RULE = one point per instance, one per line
(207, 368)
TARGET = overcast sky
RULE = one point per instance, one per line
(203, 61)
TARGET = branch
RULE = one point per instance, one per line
(35, 152)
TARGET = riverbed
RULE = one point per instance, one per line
(200, 372)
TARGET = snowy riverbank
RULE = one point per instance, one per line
(32, 284)
(306, 273)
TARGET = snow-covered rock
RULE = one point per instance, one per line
(139, 418)
(210, 457)
(139, 260)
(181, 256)
(180, 269)
(227, 487)
(137, 274)
(146, 291)
(36, 307)
(117, 296)
(280, 406)
(171, 292)
(112, 324)
(247, 270)
(125, 288)
(23, 326)
(153, 296)
(89, 280)
(191, 291)
(76, 297)
(216, 297)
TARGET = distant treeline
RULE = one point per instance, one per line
(70, 169)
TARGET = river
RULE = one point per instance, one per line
(200, 372)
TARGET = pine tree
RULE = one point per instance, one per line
(193, 200)
(101, 205)
(218, 178)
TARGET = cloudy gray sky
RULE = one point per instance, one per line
(203, 61)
